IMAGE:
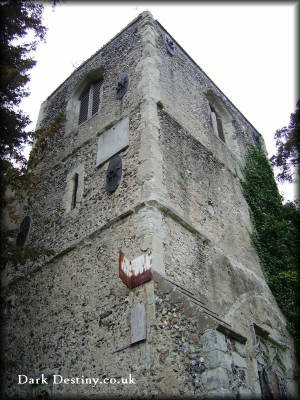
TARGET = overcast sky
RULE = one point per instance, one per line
(248, 50)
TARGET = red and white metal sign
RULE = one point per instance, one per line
(134, 273)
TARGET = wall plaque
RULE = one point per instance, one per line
(23, 232)
(134, 273)
(112, 141)
(138, 323)
(170, 45)
(122, 85)
(114, 173)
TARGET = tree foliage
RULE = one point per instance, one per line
(287, 143)
(275, 236)
(17, 19)
(21, 29)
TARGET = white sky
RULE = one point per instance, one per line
(248, 50)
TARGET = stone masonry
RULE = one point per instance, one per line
(171, 146)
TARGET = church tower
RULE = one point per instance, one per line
(150, 283)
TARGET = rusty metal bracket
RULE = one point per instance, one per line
(136, 272)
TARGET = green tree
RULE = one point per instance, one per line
(21, 29)
(287, 143)
(17, 19)
(275, 235)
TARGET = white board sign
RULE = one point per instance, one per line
(112, 141)
(138, 323)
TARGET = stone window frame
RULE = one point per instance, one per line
(219, 115)
(74, 103)
(227, 118)
(73, 195)
(217, 123)
(90, 101)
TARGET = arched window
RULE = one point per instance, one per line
(85, 99)
(90, 101)
(215, 117)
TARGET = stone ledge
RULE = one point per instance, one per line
(125, 214)
(232, 334)
(81, 143)
(267, 335)
(164, 208)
